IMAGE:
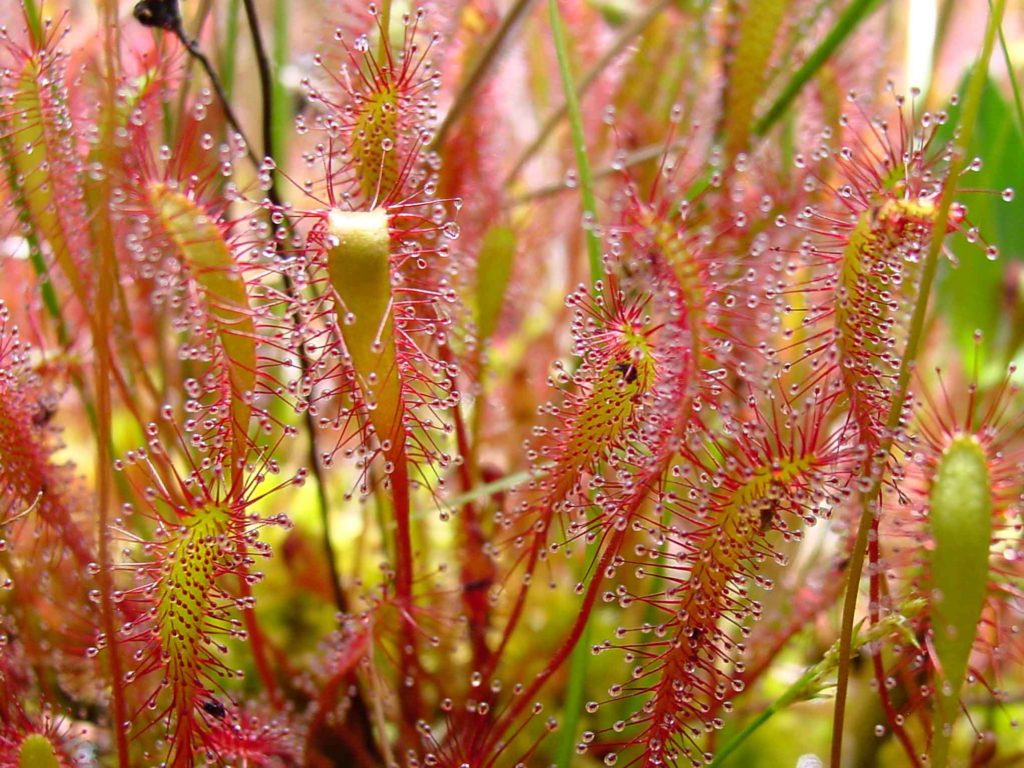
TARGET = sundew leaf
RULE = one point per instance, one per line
(204, 251)
(37, 752)
(497, 256)
(874, 265)
(186, 597)
(847, 22)
(961, 523)
(748, 72)
(969, 293)
(376, 131)
(359, 268)
(39, 171)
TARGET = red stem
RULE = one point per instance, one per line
(409, 699)
(874, 612)
(477, 568)
(106, 265)
(257, 642)
(565, 650)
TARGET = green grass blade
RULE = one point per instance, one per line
(578, 665)
(227, 64)
(848, 21)
(586, 179)
(35, 25)
(279, 93)
(574, 698)
(1012, 74)
(483, 491)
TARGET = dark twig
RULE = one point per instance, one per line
(266, 90)
(360, 710)
(165, 15)
(267, 104)
(194, 51)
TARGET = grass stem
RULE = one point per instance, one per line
(870, 498)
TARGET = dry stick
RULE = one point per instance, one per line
(870, 499)
(198, 21)
(266, 88)
(263, 63)
(636, 27)
(480, 68)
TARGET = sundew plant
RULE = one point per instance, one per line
(511, 383)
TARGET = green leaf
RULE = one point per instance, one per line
(961, 524)
(970, 293)
(37, 752)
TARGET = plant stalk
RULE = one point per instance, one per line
(870, 500)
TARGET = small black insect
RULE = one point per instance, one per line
(768, 515)
(44, 413)
(628, 371)
(163, 14)
(215, 708)
(476, 584)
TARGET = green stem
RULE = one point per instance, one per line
(972, 104)
(278, 93)
(847, 22)
(627, 35)
(788, 697)
(227, 64)
(1011, 73)
(35, 25)
(586, 180)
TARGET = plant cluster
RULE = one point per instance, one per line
(308, 456)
